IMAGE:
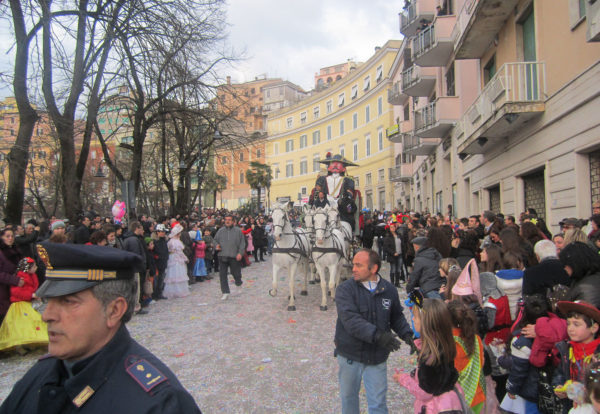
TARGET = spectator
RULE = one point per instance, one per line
(82, 232)
(559, 242)
(510, 280)
(26, 241)
(230, 245)
(548, 273)
(9, 258)
(426, 273)
(465, 247)
(161, 250)
(176, 276)
(582, 265)
(363, 341)
(392, 246)
(134, 243)
(98, 238)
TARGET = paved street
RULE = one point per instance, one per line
(247, 354)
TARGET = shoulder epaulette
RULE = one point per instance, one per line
(145, 374)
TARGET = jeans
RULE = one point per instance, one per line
(350, 375)
(226, 263)
(433, 294)
(396, 266)
(270, 242)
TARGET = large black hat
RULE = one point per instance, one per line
(71, 268)
(337, 158)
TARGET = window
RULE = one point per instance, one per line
(355, 150)
(354, 120)
(289, 145)
(381, 175)
(354, 92)
(368, 179)
(316, 137)
(368, 145)
(223, 160)
(303, 190)
(379, 106)
(328, 132)
(341, 100)
(380, 139)
(268, 93)
(289, 169)
(367, 113)
(303, 166)
(276, 148)
(92, 154)
(281, 90)
(276, 170)
(406, 112)
(342, 150)
(367, 83)
(316, 164)
(582, 8)
(450, 91)
(302, 141)
(316, 111)
(241, 177)
(289, 122)
(356, 182)
(241, 156)
(303, 118)
(258, 153)
(341, 127)
(329, 106)
(379, 75)
(489, 70)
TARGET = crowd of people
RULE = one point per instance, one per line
(504, 314)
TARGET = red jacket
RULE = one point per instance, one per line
(24, 293)
(548, 332)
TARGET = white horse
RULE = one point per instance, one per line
(329, 253)
(309, 213)
(291, 250)
(334, 222)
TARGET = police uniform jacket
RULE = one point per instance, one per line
(361, 314)
(123, 377)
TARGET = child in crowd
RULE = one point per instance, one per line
(592, 392)
(445, 265)
(510, 280)
(522, 384)
(467, 290)
(469, 359)
(199, 254)
(577, 354)
(208, 252)
(433, 383)
(23, 325)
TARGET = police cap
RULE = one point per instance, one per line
(71, 268)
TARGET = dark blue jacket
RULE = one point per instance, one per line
(360, 314)
(523, 377)
(123, 377)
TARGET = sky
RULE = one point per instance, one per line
(293, 39)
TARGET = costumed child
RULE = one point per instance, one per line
(434, 382)
(470, 357)
(576, 354)
(446, 265)
(176, 276)
(23, 325)
(208, 252)
(592, 392)
(199, 252)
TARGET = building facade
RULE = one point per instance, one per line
(327, 75)
(529, 138)
(280, 95)
(348, 118)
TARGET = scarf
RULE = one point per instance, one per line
(11, 253)
(580, 356)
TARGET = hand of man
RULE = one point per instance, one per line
(409, 341)
(238, 257)
(387, 341)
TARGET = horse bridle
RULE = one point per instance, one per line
(326, 228)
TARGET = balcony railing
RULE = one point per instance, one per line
(434, 45)
(417, 10)
(425, 117)
(402, 172)
(418, 81)
(514, 83)
(396, 96)
(437, 118)
(415, 145)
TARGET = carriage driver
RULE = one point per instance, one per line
(337, 186)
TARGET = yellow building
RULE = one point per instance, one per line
(349, 118)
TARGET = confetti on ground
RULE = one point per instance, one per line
(220, 351)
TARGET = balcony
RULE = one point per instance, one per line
(415, 145)
(478, 24)
(514, 96)
(437, 118)
(410, 19)
(434, 45)
(396, 95)
(396, 132)
(418, 81)
(402, 172)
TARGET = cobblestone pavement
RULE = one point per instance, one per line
(247, 354)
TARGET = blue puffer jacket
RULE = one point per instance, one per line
(360, 314)
(523, 377)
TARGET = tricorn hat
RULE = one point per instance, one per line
(337, 158)
(71, 268)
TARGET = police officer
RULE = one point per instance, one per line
(93, 365)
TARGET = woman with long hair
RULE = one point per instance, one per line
(9, 259)
(439, 240)
(582, 264)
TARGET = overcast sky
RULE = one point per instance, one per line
(292, 39)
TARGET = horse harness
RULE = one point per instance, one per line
(297, 248)
(337, 248)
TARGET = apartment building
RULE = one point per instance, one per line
(529, 137)
(329, 74)
(349, 118)
(281, 94)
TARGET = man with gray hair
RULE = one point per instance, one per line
(548, 273)
(93, 365)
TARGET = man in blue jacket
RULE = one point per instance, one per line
(368, 309)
